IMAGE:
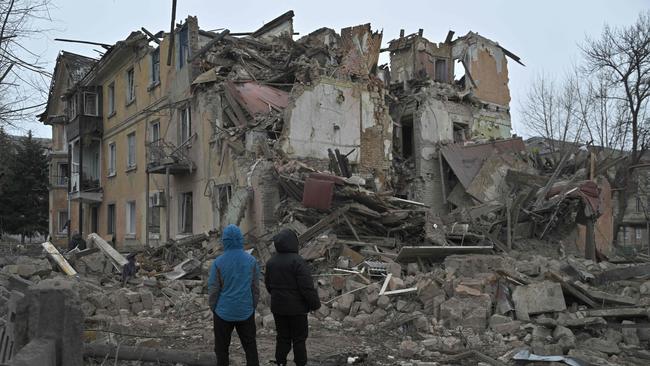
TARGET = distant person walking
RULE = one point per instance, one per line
(288, 279)
(233, 291)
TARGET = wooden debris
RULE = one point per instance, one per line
(118, 259)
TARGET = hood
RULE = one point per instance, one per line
(286, 241)
(232, 238)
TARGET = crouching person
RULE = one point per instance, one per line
(232, 294)
(288, 280)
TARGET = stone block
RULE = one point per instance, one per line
(146, 297)
(132, 297)
(41, 352)
(469, 265)
(601, 345)
(395, 283)
(469, 312)
(383, 302)
(345, 303)
(338, 282)
(408, 349)
(136, 307)
(537, 298)
(630, 335)
(268, 322)
(412, 268)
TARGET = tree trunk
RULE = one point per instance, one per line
(150, 354)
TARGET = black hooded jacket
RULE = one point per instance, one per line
(288, 278)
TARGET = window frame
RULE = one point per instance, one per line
(86, 113)
(130, 86)
(61, 228)
(65, 173)
(111, 217)
(131, 151)
(185, 120)
(131, 214)
(112, 159)
(183, 210)
(155, 71)
(111, 98)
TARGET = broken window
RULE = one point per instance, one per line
(441, 70)
(130, 162)
(155, 67)
(130, 218)
(224, 194)
(407, 137)
(90, 104)
(111, 159)
(183, 47)
(185, 124)
(185, 215)
(461, 132)
(110, 215)
(62, 174)
(63, 221)
(130, 86)
(111, 98)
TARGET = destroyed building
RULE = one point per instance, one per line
(434, 235)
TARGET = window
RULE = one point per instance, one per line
(154, 132)
(639, 205)
(130, 86)
(90, 104)
(111, 99)
(186, 124)
(183, 47)
(155, 67)
(154, 212)
(62, 174)
(185, 205)
(638, 234)
(130, 160)
(407, 137)
(224, 195)
(441, 70)
(72, 107)
(110, 215)
(111, 159)
(130, 218)
(63, 221)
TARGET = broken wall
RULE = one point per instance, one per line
(604, 227)
(486, 66)
(414, 57)
(342, 115)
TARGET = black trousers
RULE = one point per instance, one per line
(292, 330)
(246, 331)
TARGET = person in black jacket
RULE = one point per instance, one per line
(288, 280)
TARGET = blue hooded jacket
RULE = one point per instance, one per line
(233, 285)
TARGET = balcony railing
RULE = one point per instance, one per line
(162, 155)
(88, 182)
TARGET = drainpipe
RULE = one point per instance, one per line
(146, 214)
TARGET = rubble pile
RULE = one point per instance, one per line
(495, 272)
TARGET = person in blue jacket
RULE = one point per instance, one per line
(233, 292)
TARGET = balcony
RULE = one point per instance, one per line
(83, 125)
(85, 176)
(163, 156)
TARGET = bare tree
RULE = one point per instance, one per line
(549, 111)
(23, 78)
(621, 56)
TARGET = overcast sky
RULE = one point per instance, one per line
(545, 34)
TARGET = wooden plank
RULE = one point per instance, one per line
(318, 227)
(617, 312)
(402, 291)
(354, 243)
(118, 259)
(412, 253)
(354, 232)
(385, 285)
(53, 253)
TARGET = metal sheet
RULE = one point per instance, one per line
(411, 253)
(258, 99)
(318, 194)
(466, 160)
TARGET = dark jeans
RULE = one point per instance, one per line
(291, 330)
(245, 330)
